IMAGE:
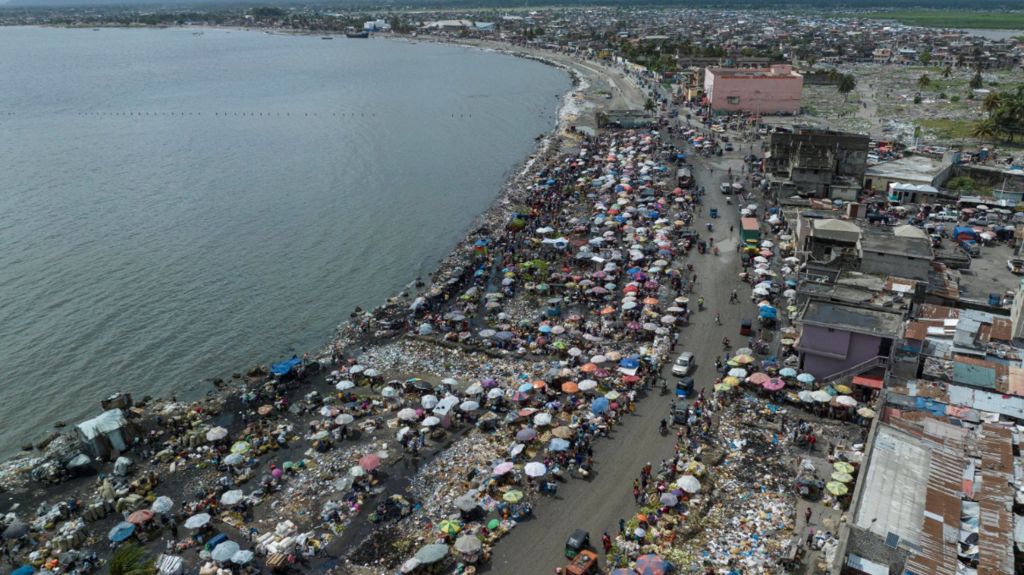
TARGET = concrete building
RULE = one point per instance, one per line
(817, 163)
(905, 254)
(916, 170)
(838, 340)
(773, 90)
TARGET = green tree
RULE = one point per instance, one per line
(947, 71)
(985, 129)
(847, 82)
(992, 101)
(926, 57)
(131, 559)
(976, 81)
(924, 81)
(960, 184)
(917, 98)
(649, 105)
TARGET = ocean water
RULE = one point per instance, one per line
(178, 206)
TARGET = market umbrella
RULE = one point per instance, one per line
(821, 396)
(651, 564)
(587, 385)
(345, 385)
(535, 469)
(344, 419)
(241, 447)
(216, 434)
(356, 471)
(738, 372)
(449, 527)
(742, 359)
(370, 461)
(475, 389)
(836, 488)
(558, 444)
(503, 468)
(669, 500)
(468, 544)
(329, 411)
(468, 406)
(371, 373)
(466, 502)
(806, 396)
(232, 497)
(121, 531)
(163, 503)
(407, 414)
(525, 435)
(866, 412)
(542, 419)
(242, 556)
(843, 467)
(223, 552)
(24, 570)
(805, 378)
(410, 565)
(197, 521)
(513, 496)
(759, 378)
(611, 395)
(842, 477)
(774, 384)
(570, 387)
(787, 372)
(842, 388)
(562, 432)
(845, 401)
(600, 405)
(688, 483)
(431, 553)
(731, 380)
(141, 517)
(430, 421)
(429, 401)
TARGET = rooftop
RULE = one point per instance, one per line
(898, 245)
(853, 318)
(914, 169)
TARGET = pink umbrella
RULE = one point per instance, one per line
(758, 378)
(503, 468)
(277, 473)
(369, 462)
(774, 384)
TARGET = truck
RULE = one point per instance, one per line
(750, 230)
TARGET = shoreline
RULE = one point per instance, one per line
(343, 337)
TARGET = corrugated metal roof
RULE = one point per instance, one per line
(974, 375)
(995, 536)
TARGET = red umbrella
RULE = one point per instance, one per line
(369, 462)
(141, 517)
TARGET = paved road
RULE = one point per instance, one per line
(597, 505)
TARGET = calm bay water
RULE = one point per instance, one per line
(157, 230)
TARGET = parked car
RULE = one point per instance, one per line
(979, 221)
(725, 188)
(728, 147)
(684, 364)
(1015, 265)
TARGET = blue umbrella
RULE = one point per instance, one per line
(526, 388)
(769, 312)
(805, 378)
(651, 565)
(558, 444)
(629, 363)
(24, 570)
(787, 372)
(633, 271)
(544, 329)
(790, 283)
(121, 531)
(600, 405)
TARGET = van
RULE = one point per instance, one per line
(683, 364)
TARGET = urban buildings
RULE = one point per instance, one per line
(773, 90)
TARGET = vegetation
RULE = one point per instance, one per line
(847, 82)
(961, 184)
(954, 18)
(131, 559)
(948, 129)
(1005, 115)
(976, 81)
(924, 81)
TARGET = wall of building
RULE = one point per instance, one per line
(756, 94)
(895, 265)
(856, 347)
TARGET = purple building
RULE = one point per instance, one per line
(841, 340)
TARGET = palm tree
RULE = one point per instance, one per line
(985, 129)
(130, 559)
(649, 105)
(947, 71)
(847, 82)
(924, 81)
(992, 102)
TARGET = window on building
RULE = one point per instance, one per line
(733, 99)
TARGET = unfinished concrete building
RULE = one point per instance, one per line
(817, 163)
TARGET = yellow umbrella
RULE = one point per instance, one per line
(836, 488)
(449, 527)
(732, 363)
(842, 467)
(513, 496)
(722, 387)
(842, 389)
(866, 412)
(731, 381)
(743, 359)
(842, 477)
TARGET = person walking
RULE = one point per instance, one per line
(807, 516)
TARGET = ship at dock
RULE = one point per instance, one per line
(353, 33)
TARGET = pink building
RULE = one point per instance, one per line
(774, 90)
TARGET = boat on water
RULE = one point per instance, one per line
(353, 33)
(327, 37)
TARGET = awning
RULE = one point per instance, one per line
(868, 381)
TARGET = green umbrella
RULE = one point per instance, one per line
(493, 524)
(842, 467)
(836, 488)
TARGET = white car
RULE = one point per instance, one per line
(684, 364)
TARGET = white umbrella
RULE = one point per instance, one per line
(429, 401)
(542, 419)
(469, 406)
(846, 401)
(475, 389)
(216, 434)
(232, 497)
(389, 392)
(371, 373)
(197, 521)
(535, 469)
(738, 372)
(357, 369)
(668, 319)
(328, 411)
(344, 384)
(669, 499)
(356, 471)
(407, 414)
(587, 385)
(344, 419)
(431, 421)
(242, 556)
(162, 504)
(223, 552)
(495, 393)
(233, 459)
(821, 396)
(688, 483)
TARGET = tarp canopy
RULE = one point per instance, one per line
(103, 423)
(283, 367)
